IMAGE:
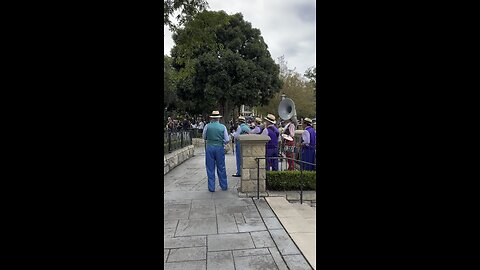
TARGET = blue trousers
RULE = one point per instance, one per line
(272, 163)
(238, 155)
(308, 155)
(215, 156)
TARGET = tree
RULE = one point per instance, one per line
(222, 63)
(296, 88)
(169, 93)
(185, 10)
(311, 74)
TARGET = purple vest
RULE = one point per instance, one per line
(313, 136)
(273, 134)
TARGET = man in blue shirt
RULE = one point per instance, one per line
(242, 129)
(216, 137)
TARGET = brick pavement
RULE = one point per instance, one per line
(215, 231)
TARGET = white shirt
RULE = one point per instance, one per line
(306, 137)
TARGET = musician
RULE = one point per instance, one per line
(289, 143)
(242, 129)
(251, 125)
(258, 126)
(309, 139)
(216, 137)
(272, 145)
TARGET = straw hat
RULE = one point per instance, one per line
(308, 120)
(258, 120)
(215, 114)
(241, 119)
(270, 118)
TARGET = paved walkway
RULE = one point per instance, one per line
(204, 230)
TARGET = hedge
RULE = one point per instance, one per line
(290, 180)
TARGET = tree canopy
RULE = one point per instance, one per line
(300, 90)
(222, 63)
(311, 74)
(183, 9)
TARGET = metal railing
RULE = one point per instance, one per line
(173, 139)
(301, 167)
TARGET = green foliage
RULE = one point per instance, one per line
(184, 10)
(169, 94)
(222, 63)
(295, 87)
(291, 180)
(311, 74)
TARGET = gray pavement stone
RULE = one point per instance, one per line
(252, 212)
(259, 262)
(252, 219)
(172, 202)
(278, 258)
(165, 254)
(239, 219)
(204, 212)
(169, 227)
(195, 218)
(188, 195)
(170, 224)
(183, 242)
(204, 203)
(231, 209)
(221, 242)
(196, 227)
(190, 265)
(250, 252)
(262, 239)
(272, 223)
(251, 227)
(228, 194)
(296, 262)
(264, 208)
(176, 211)
(226, 223)
(220, 260)
(233, 202)
(188, 254)
(284, 243)
(168, 232)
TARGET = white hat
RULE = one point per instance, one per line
(270, 118)
(308, 120)
(215, 114)
(241, 118)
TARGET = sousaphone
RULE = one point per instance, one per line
(286, 111)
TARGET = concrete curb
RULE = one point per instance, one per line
(176, 158)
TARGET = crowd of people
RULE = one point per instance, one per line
(217, 137)
(185, 124)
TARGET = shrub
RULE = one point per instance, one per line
(290, 180)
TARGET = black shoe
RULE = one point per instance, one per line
(236, 175)
(224, 189)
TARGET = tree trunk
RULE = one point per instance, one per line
(235, 113)
(225, 113)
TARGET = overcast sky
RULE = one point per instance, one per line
(287, 26)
